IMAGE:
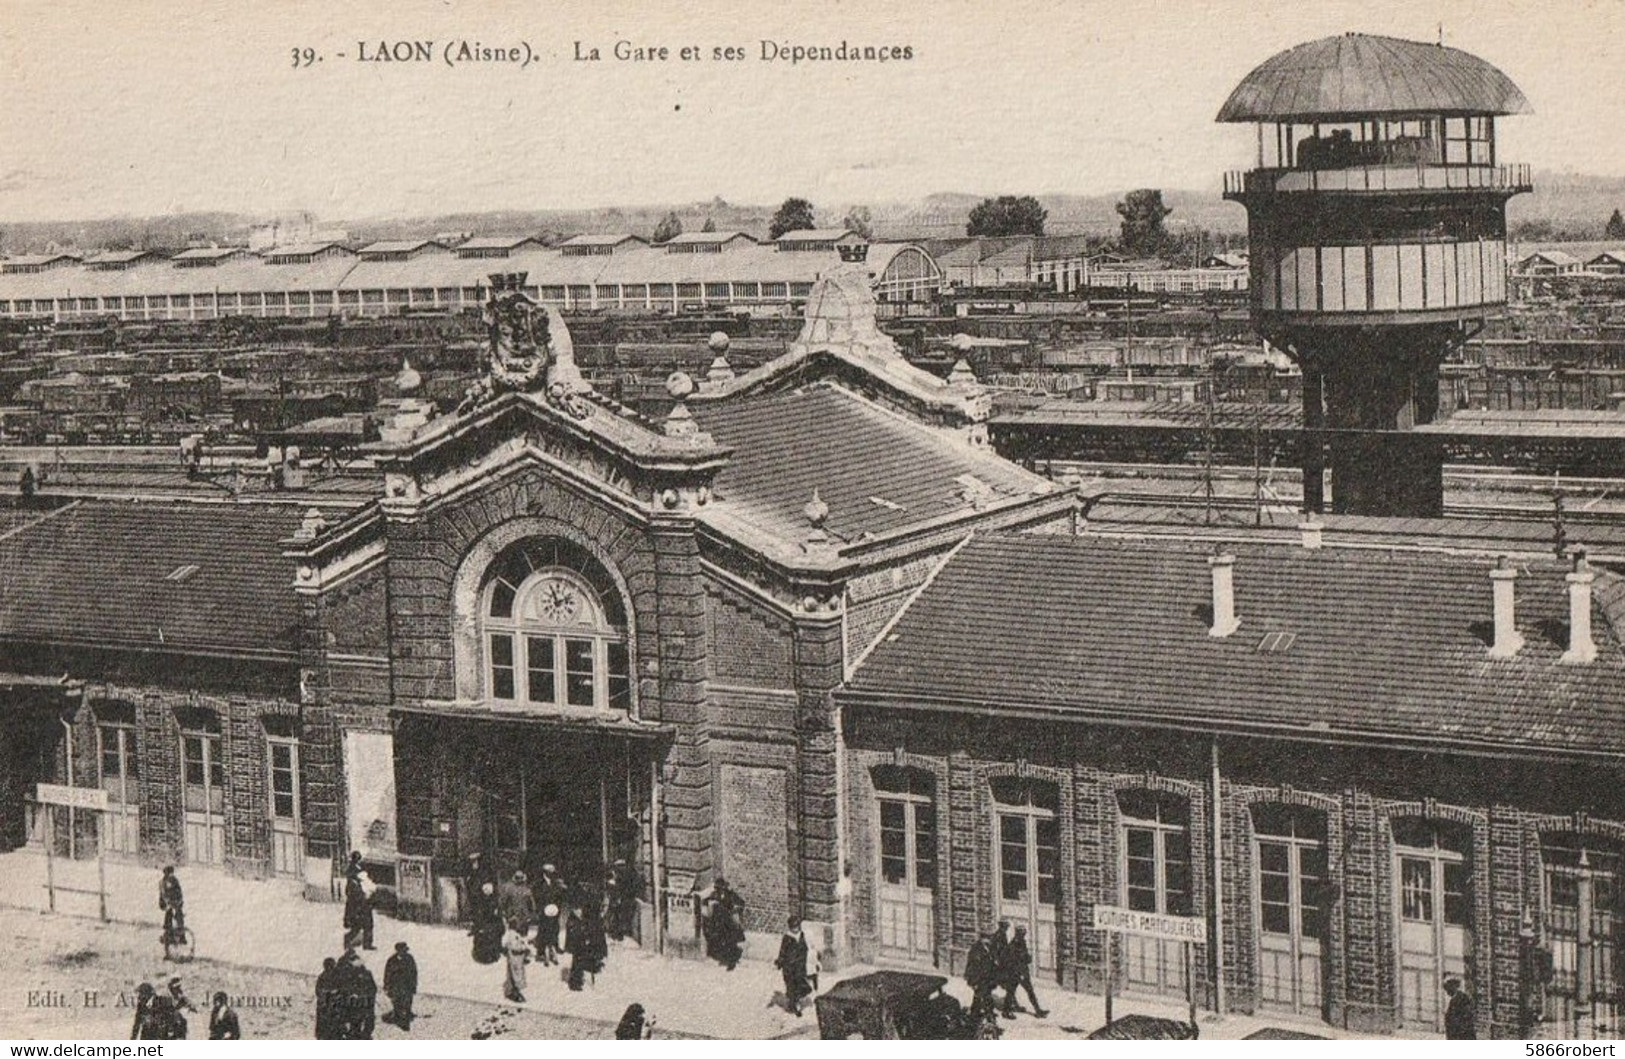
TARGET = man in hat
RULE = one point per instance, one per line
(223, 1024)
(980, 974)
(551, 896)
(792, 964)
(172, 902)
(357, 904)
(1018, 972)
(724, 924)
(181, 1005)
(327, 1023)
(142, 1029)
(516, 904)
(358, 997)
(999, 952)
(400, 985)
(1458, 1012)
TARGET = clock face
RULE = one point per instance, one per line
(557, 602)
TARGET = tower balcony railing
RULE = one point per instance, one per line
(1239, 183)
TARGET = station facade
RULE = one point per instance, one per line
(810, 634)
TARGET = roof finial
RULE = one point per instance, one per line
(680, 421)
(1441, 34)
(816, 511)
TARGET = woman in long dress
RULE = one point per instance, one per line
(517, 950)
(487, 927)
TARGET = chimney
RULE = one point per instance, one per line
(1581, 647)
(1311, 531)
(1225, 621)
(1503, 586)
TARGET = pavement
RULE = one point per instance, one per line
(269, 924)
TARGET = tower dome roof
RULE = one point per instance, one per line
(1357, 75)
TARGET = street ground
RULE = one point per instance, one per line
(77, 979)
(262, 941)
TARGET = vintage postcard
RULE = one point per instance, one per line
(913, 520)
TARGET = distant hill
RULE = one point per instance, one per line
(1563, 206)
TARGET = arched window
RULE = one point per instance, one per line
(553, 637)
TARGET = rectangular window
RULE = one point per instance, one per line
(716, 292)
(925, 845)
(893, 842)
(1013, 857)
(502, 676)
(1416, 889)
(282, 780)
(578, 673)
(204, 772)
(620, 677)
(542, 667)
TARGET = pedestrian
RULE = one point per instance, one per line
(635, 1025)
(551, 898)
(142, 1028)
(1018, 972)
(980, 974)
(517, 950)
(792, 964)
(357, 998)
(327, 1001)
(172, 902)
(999, 952)
(223, 1025)
(1458, 1012)
(481, 887)
(621, 896)
(488, 926)
(584, 941)
(357, 905)
(516, 903)
(400, 985)
(180, 1005)
(162, 1021)
(724, 924)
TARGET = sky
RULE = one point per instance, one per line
(146, 107)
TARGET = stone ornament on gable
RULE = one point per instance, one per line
(529, 351)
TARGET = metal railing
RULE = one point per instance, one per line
(1513, 177)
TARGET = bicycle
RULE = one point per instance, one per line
(179, 944)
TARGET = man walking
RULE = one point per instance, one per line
(223, 1025)
(1018, 971)
(550, 902)
(172, 902)
(357, 905)
(516, 904)
(980, 973)
(1458, 1012)
(999, 953)
(792, 964)
(401, 986)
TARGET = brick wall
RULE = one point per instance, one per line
(1505, 807)
(752, 808)
(750, 647)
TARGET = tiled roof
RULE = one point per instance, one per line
(875, 469)
(1386, 645)
(175, 576)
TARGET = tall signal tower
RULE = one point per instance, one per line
(1376, 219)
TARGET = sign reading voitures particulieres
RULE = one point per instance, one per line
(1152, 924)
